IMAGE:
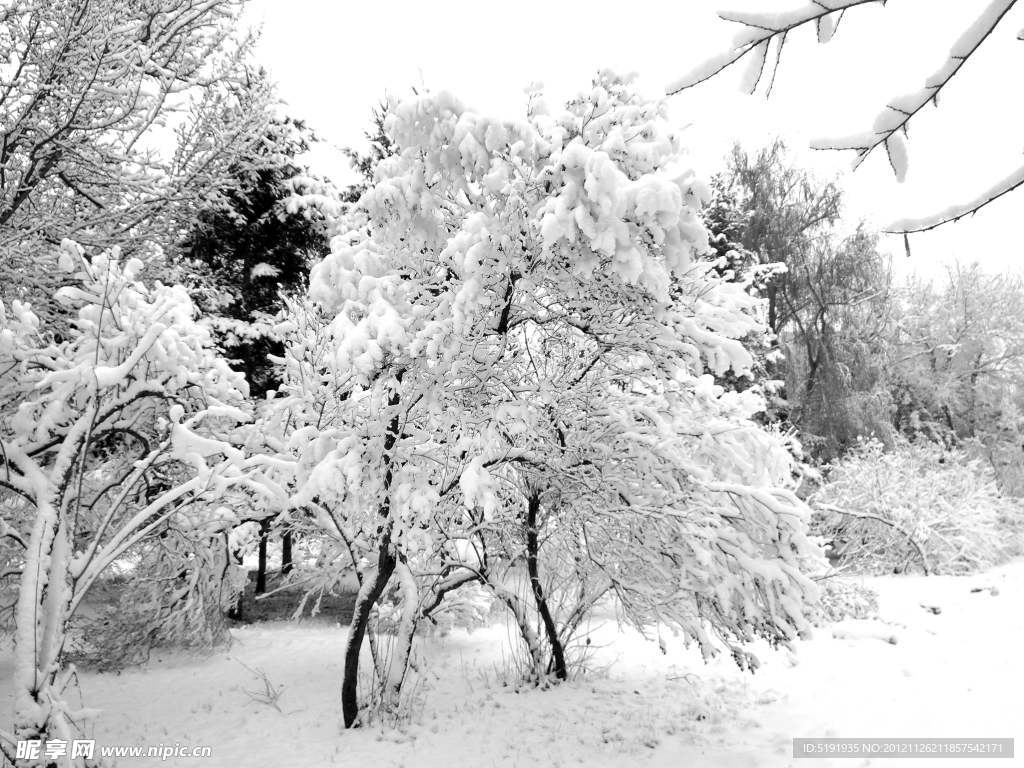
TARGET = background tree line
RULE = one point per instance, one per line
(857, 352)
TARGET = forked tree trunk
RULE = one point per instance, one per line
(370, 591)
(373, 582)
(558, 667)
(43, 610)
(537, 663)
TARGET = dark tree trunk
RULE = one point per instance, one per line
(813, 361)
(373, 583)
(261, 565)
(532, 551)
(369, 593)
(286, 553)
(237, 611)
(973, 411)
(949, 422)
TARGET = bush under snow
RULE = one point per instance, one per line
(919, 506)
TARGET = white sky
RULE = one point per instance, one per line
(334, 60)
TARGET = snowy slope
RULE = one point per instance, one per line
(954, 673)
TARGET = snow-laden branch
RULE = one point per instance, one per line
(891, 126)
(762, 30)
(956, 212)
(7, 532)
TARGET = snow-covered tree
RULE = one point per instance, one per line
(761, 42)
(827, 295)
(512, 360)
(118, 118)
(958, 360)
(781, 213)
(119, 432)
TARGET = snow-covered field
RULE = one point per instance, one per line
(911, 673)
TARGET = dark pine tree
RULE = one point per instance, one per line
(251, 247)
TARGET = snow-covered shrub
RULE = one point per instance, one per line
(176, 596)
(919, 506)
(845, 599)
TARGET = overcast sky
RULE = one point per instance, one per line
(333, 61)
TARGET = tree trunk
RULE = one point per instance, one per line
(972, 413)
(244, 580)
(286, 553)
(43, 610)
(373, 583)
(522, 618)
(949, 423)
(558, 666)
(402, 652)
(232, 559)
(369, 593)
(813, 362)
(261, 565)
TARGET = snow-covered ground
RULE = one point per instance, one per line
(911, 673)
